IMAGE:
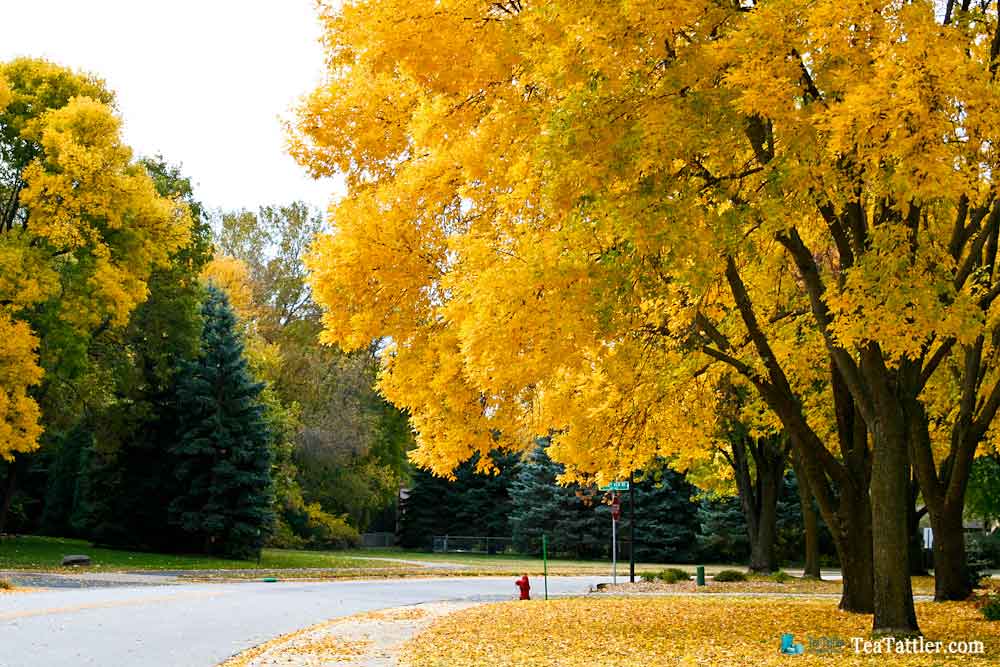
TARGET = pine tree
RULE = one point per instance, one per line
(576, 523)
(473, 504)
(222, 458)
(666, 519)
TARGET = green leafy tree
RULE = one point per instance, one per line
(123, 494)
(222, 454)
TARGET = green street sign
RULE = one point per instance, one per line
(615, 486)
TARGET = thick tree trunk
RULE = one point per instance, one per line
(810, 523)
(944, 495)
(951, 581)
(762, 544)
(890, 494)
(759, 493)
(854, 548)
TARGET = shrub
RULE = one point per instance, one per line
(988, 546)
(730, 575)
(991, 609)
(780, 577)
(283, 537)
(327, 531)
(672, 575)
(648, 576)
(977, 561)
(5, 585)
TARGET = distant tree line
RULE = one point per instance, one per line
(675, 521)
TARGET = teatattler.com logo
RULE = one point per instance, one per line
(882, 646)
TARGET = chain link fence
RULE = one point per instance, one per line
(473, 545)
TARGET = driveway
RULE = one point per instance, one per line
(200, 625)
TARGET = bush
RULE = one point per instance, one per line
(991, 609)
(310, 527)
(648, 576)
(672, 575)
(978, 560)
(730, 575)
(780, 577)
(327, 531)
(986, 546)
(5, 585)
(283, 537)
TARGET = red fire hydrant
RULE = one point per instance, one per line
(523, 584)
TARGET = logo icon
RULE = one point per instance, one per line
(789, 646)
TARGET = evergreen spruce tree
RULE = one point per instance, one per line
(723, 536)
(221, 455)
(473, 504)
(666, 519)
(576, 524)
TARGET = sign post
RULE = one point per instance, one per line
(614, 549)
(631, 529)
(545, 563)
(616, 509)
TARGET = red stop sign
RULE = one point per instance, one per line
(616, 509)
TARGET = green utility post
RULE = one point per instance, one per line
(631, 528)
(700, 575)
(545, 563)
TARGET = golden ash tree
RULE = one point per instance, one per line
(586, 217)
(81, 227)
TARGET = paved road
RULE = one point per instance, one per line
(200, 625)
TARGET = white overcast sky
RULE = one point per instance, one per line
(202, 82)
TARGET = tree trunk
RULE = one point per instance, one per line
(951, 581)
(944, 497)
(762, 544)
(758, 493)
(890, 494)
(854, 548)
(810, 523)
(10, 486)
(913, 517)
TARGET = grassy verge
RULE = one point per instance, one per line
(46, 553)
(693, 630)
(514, 564)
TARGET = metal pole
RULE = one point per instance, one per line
(631, 528)
(614, 551)
(545, 563)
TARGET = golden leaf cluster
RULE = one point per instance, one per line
(84, 226)
(541, 198)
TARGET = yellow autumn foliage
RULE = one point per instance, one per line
(82, 228)
(232, 276)
(682, 631)
(19, 370)
(542, 198)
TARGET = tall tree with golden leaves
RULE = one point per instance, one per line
(81, 226)
(581, 217)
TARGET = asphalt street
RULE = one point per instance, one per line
(200, 625)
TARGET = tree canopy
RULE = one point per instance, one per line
(583, 217)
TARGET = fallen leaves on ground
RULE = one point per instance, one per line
(921, 586)
(695, 631)
(331, 648)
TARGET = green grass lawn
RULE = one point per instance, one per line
(510, 564)
(46, 553)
